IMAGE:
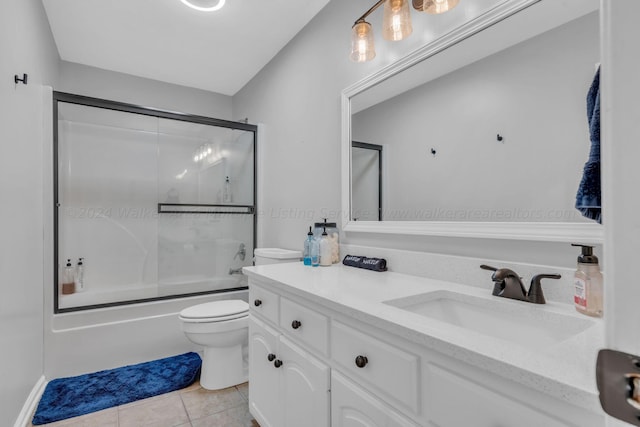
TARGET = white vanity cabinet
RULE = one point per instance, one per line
(352, 406)
(335, 367)
(288, 386)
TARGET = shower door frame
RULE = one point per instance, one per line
(145, 111)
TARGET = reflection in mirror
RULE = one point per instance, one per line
(500, 139)
(366, 161)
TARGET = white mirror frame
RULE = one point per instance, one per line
(529, 231)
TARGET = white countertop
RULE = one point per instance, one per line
(565, 370)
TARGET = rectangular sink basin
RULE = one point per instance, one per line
(518, 322)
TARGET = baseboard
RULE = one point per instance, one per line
(24, 418)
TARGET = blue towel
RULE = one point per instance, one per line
(588, 200)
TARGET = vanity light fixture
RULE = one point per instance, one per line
(434, 6)
(396, 24)
(204, 5)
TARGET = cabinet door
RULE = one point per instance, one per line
(306, 387)
(351, 406)
(264, 377)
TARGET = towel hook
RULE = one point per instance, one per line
(499, 137)
(17, 78)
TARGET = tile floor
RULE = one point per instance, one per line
(189, 407)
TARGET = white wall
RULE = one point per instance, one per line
(26, 46)
(532, 94)
(297, 97)
(96, 82)
(621, 128)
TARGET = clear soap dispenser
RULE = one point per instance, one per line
(68, 280)
(311, 250)
(588, 283)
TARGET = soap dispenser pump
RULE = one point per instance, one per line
(588, 283)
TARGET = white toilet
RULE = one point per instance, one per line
(222, 328)
(265, 256)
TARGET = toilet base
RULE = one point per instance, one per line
(222, 367)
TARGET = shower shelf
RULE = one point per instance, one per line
(186, 208)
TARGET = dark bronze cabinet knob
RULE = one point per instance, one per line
(257, 303)
(270, 357)
(296, 324)
(361, 361)
(277, 363)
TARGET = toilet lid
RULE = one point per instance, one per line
(216, 309)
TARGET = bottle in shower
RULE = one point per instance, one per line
(80, 275)
(68, 280)
(226, 191)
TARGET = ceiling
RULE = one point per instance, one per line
(168, 41)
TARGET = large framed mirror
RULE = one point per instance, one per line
(484, 129)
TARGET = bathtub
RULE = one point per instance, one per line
(93, 340)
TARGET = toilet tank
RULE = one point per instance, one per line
(266, 256)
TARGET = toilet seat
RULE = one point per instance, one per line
(215, 311)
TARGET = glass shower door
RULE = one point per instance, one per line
(107, 180)
(206, 207)
(158, 204)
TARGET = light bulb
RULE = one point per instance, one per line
(362, 48)
(396, 20)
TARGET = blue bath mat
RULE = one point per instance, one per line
(70, 397)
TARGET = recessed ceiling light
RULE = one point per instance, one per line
(204, 5)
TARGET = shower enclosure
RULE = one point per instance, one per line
(158, 204)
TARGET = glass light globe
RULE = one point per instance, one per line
(362, 48)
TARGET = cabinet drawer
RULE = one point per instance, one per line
(305, 325)
(392, 372)
(264, 302)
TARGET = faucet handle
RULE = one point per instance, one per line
(499, 274)
(507, 283)
(535, 294)
(498, 286)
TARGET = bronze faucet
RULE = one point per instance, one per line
(508, 284)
